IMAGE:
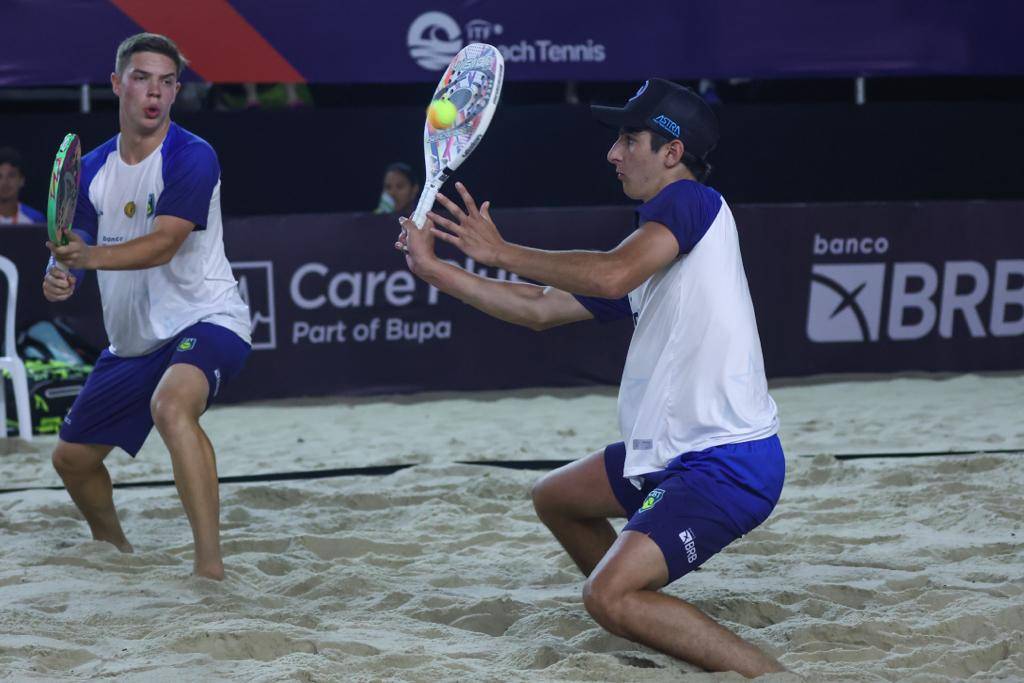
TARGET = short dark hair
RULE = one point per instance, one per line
(698, 167)
(406, 170)
(9, 155)
(148, 42)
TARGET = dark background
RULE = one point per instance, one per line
(332, 159)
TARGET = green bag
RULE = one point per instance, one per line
(57, 363)
(52, 388)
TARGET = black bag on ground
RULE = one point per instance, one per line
(56, 375)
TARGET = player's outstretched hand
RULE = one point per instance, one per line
(418, 246)
(472, 231)
(75, 254)
(58, 285)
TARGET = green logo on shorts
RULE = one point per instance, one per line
(652, 499)
(187, 344)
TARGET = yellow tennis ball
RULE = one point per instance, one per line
(441, 114)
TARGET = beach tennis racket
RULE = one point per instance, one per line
(472, 83)
(60, 207)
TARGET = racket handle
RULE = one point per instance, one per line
(54, 263)
(426, 202)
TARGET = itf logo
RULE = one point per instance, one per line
(433, 39)
(481, 30)
(846, 302)
(256, 285)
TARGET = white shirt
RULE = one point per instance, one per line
(694, 374)
(25, 215)
(143, 309)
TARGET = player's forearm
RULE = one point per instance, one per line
(514, 302)
(590, 273)
(148, 251)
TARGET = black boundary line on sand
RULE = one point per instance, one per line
(381, 470)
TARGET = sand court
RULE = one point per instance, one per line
(906, 569)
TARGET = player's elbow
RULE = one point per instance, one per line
(614, 287)
(541, 322)
(161, 258)
(615, 281)
(165, 250)
(545, 314)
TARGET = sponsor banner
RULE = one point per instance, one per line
(836, 288)
(336, 310)
(934, 286)
(325, 41)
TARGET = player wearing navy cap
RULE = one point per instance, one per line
(700, 464)
(148, 221)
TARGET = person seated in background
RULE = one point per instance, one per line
(400, 191)
(12, 179)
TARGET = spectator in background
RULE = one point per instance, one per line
(400, 191)
(235, 96)
(290, 91)
(12, 179)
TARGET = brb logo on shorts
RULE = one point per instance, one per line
(256, 285)
(689, 544)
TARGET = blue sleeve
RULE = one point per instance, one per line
(32, 214)
(606, 310)
(86, 220)
(686, 208)
(190, 175)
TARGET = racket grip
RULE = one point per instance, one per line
(54, 263)
(426, 202)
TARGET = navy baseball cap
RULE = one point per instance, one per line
(668, 109)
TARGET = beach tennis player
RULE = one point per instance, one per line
(148, 221)
(700, 464)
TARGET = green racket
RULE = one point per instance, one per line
(60, 207)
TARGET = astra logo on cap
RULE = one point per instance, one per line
(640, 91)
(668, 124)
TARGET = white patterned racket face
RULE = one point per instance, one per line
(472, 83)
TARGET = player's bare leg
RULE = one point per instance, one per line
(177, 403)
(622, 595)
(87, 480)
(575, 502)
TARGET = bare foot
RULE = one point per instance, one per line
(125, 547)
(214, 571)
(119, 542)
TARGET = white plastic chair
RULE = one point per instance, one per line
(10, 361)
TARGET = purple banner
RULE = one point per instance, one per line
(324, 41)
(837, 288)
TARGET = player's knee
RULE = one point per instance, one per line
(543, 495)
(604, 603)
(67, 462)
(168, 413)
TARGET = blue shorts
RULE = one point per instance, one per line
(113, 408)
(702, 501)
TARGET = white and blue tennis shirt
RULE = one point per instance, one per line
(118, 202)
(694, 375)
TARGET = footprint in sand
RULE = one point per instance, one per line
(493, 616)
(258, 645)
